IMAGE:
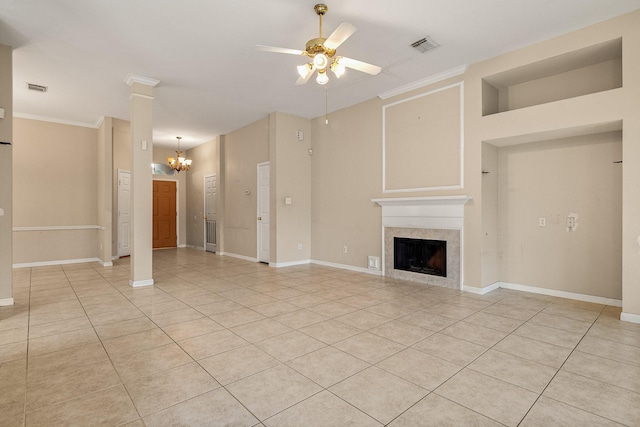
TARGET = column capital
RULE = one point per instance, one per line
(147, 81)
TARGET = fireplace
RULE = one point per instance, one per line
(436, 218)
(420, 256)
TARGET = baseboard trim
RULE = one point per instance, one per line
(59, 228)
(289, 263)
(194, 247)
(562, 294)
(628, 317)
(140, 283)
(56, 262)
(347, 267)
(232, 255)
(6, 302)
(481, 291)
(105, 263)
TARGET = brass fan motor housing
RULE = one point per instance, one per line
(315, 46)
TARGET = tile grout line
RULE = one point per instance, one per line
(558, 371)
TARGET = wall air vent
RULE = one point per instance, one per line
(37, 88)
(424, 44)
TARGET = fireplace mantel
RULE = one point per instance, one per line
(423, 212)
(423, 201)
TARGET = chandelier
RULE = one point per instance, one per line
(180, 163)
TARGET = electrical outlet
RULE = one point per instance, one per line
(345, 250)
(542, 222)
(373, 262)
(299, 246)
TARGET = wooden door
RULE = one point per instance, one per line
(164, 214)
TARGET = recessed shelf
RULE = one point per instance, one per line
(590, 129)
(592, 69)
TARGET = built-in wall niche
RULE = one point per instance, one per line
(592, 69)
(531, 191)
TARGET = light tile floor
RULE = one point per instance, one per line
(219, 341)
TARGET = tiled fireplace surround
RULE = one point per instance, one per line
(435, 218)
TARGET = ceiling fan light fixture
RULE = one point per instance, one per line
(337, 68)
(320, 61)
(322, 78)
(304, 69)
(322, 53)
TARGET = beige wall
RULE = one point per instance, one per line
(6, 176)
(346, 173)
(54, 184)
(290, 171)
(422, 141)
(551, 180)
(490, 223)
(206, 160)
(582, 81)
(243, 150)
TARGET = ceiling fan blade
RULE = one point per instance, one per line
(339, 35)
(304, 79)
(278, 49)
(360, 66)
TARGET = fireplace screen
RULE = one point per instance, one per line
(420, 256)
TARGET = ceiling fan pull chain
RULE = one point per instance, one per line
(326, 106)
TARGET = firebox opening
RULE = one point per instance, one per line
(420, 256)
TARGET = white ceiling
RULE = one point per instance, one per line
(212, 79)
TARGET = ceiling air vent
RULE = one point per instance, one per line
(424, 44)
(37, 88)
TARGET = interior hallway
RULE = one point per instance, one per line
(220, 341)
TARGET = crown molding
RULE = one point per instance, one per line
(95, 125)
(435, 78)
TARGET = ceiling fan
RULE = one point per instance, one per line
(322, 52)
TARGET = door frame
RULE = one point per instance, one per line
(118, 240)
(177, 181)
(204, 209)
(258, 234)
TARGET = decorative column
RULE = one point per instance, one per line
(141, 233)
(6, 176)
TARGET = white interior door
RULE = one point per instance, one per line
(210, 220)
(263, 212)
(124, 212)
